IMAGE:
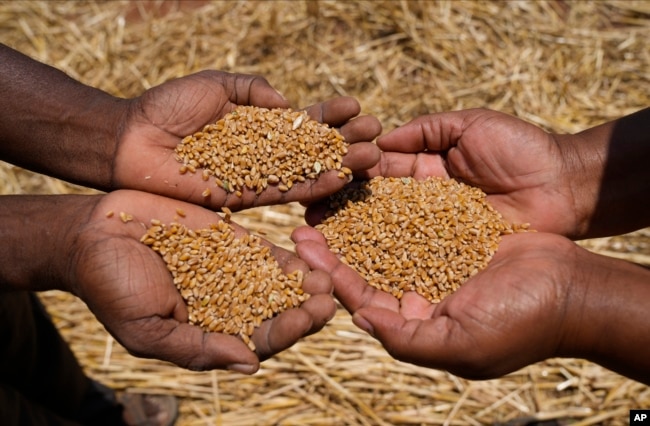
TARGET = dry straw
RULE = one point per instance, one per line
(565, 65)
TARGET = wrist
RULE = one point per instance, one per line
(606, 314)
(52, 124)
(90, 141)
(38, 236)
(73, 138)
(581, 171)
(606, 168)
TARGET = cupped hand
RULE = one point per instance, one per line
(159, 119)
(129, 289)
(519, 166)
(511, 314)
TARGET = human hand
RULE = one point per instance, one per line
(523, 308)
(162, 116)
(129, 289)
(521, 168)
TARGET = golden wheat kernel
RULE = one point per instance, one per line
(227, 213)
(346, 170)
(388, 228)
(213, 292)
(125, 217)
(272, 179)
(257, 138)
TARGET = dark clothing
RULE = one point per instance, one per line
(41, 381)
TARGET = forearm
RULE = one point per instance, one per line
(52, 124)
(607, 310)
(37, 233)
(607, 166)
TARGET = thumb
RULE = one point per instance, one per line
(411, 340)
(384, 325)
(256, 90)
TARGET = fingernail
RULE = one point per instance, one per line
(281, 95)
(363, 324)
(242, 368)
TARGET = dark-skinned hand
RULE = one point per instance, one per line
(517, 164)
(540, 296)
(158, 120)
(129, 289)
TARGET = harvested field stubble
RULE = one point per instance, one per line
(403, 234)
(563, 65)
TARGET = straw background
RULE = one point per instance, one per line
(563, 65)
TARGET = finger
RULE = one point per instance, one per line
(284, 330)
(361, 129)
(189, 347)
(434, 132)
(287, 328)
(398, 164)
(415, 306)
(321, 308)
(317, 282)
(307, 233)
(315, 212)
(421, 342)
(306, 192)
(254, 90)
(349, 287)
(288, 261)
(335, 112)
(280, 332)
(167, 210)
(361, 156)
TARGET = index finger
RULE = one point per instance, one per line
(433, 132)
(244, 89)
(335, 112)
(417, 165)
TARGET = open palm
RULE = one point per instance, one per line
(517, 164)
(507, 316)
(158, 120)
(129, 289)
